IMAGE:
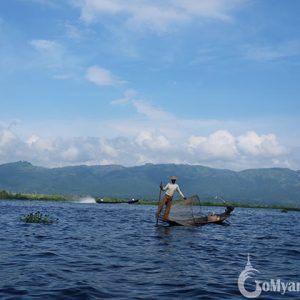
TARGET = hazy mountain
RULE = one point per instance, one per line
(274, 185)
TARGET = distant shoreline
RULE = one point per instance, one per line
(4, 195)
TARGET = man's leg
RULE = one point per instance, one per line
(160, 207)
(168, 209)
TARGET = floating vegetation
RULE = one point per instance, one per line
(39, 218)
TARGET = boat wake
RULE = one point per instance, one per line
(87, 200)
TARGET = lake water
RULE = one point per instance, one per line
(99, 251)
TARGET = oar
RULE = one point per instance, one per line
(159, 199)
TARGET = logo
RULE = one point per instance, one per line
(273, 285)
(248, 272)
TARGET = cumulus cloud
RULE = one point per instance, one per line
(101, 76)
(108, 150)
(10, 145)
(159, 15)
(7, 137)
(70, 154)
(152, 140)
(266, 145)
(39, 144)
(220, 144)
(219, 149)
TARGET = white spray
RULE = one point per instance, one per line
(87, 200)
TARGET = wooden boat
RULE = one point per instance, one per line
(118, 202)
(133, 201)
(110, 202)
(198, 221)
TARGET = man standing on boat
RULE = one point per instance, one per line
(170, 189)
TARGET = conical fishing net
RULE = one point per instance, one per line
(187, 212)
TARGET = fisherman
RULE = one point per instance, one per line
(170, 189)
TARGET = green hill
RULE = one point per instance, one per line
(257, 186)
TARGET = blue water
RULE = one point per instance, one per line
(99, 251)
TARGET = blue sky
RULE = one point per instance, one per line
(211, 82)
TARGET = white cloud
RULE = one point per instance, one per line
(150, 111)
(273, 52)
(266, 145)
(128, 96)
(48, 46)
(152, 140)
(101, 76)
(159, 15)
(220, 144)
(7, 137)
(214, 9)
(145, 108)
(10, 145)
(249, 146)
(53, 56)
(220, 149)
(108, 150)
(70, 154)
(39, 144)
(72, 31)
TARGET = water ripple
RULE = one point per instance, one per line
(115, 251)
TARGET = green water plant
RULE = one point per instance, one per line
(21, 196)
(39, 218)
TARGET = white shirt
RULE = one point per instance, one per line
(171, 188)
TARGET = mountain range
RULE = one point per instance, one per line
(257, 186)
